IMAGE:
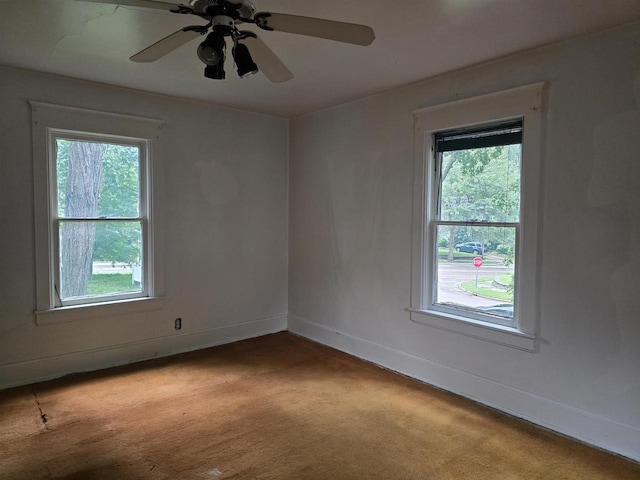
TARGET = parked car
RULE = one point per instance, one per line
(470, 247)
(502, 309)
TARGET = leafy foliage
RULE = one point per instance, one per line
(119, 242)
(121, 186)
(480, 185)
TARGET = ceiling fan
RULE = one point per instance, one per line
(223, 18)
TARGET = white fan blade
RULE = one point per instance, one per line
(316, 27)
(164, 46)
(267, 61)
(159, 4)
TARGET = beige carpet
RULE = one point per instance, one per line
(276, 407)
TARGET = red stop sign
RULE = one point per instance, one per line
(477, 262)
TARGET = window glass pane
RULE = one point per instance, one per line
(100, 258)
(485, 289)
(481, 184)
(97, 179)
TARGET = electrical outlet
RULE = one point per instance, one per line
(177, 324)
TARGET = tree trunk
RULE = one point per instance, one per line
(452, 230)
(452, 239)
(82, 195)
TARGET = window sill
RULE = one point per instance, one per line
(106, 309)
(507, 336)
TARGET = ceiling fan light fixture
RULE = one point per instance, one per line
(215, 72)
(211, 51)
(244, 62)
(223, 18)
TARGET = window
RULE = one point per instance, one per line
(95, 249)
(477, 182)
(99, 217)
(475, 216)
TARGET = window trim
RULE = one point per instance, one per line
(521, 102)
(48, 118)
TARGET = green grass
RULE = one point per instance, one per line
(105, 283)
(443, 252)
(487, 289)
(506, 279)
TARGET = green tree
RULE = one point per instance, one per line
(480, 185)
(83, 179)
(119, 242)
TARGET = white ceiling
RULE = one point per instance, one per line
(415, 39)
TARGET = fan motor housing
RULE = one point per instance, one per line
(222, 20)
(246, 10)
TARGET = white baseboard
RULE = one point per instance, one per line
(36, 370)
(585, 426)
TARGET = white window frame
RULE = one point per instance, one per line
(49, 123)
(522, 102)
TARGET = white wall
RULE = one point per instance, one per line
(222, 204)
(350, 227)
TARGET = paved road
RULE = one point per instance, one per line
(451, 275)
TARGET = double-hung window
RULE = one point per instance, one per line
(99, 217)
(95, 249)
(475, 216)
